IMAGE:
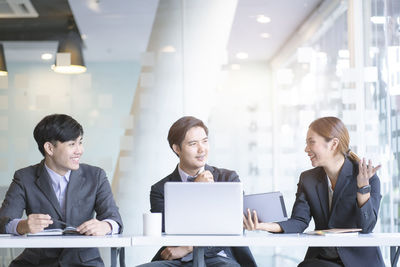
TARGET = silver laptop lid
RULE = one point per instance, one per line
(203, 208)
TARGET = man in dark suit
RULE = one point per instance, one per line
(188, 138)
(60, 189)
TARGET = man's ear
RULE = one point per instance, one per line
(335, 144)
(176, 149)
(48, 148)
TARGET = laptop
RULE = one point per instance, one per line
(203, 208)
(270, 207)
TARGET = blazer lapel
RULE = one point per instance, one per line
(43, 182)
(175, 176)
(322, 191)
(76, 180)
(343, 180)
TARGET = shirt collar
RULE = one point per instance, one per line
(55, 176)
(184, 175)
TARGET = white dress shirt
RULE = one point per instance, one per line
(184, 175)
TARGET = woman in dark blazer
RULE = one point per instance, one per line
(341, 191)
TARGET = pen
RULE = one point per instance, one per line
(58, 221)
(67, 226)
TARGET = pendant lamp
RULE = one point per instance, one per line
(72, 44)
(3, 66)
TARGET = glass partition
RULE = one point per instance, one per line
(340, 58)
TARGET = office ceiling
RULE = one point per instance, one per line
(118, 30)
(51, 21)
(286, 16)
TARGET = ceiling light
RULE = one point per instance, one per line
(47, 56)
(265, 35)
(263, 19)
(70, 45)
(3, 67)
(242, 55)
(168, 49)
(378, 19)
(94, 6)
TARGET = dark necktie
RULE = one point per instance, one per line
(190, 179)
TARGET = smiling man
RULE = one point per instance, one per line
(60, 188)
(188, 138)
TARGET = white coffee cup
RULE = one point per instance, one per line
(152, 224)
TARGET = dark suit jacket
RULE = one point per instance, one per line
(88, 191)
(242, 254)
(312, 201)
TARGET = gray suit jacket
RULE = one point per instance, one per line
(312, 201)
(241, 254)
(88, 192)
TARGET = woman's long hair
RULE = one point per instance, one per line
(332, 127)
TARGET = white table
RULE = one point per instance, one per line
(273, 240)
(199, 242)
(115, 242)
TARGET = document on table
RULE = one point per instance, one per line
(66, 231)
(336, 231)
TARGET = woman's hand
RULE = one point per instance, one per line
(365, 172)
(251, 223)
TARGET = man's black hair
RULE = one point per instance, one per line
(178, 130)
(56, 127)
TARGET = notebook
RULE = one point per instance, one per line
(270, 207)
(56, 231)
(336, 231)
(203, 208)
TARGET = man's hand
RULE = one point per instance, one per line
(94, 227)
(172, 253)
(34, 224)
(205, 177)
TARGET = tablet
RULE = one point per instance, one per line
(270, 207)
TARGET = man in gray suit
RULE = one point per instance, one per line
(60, 189)
(188, 138)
